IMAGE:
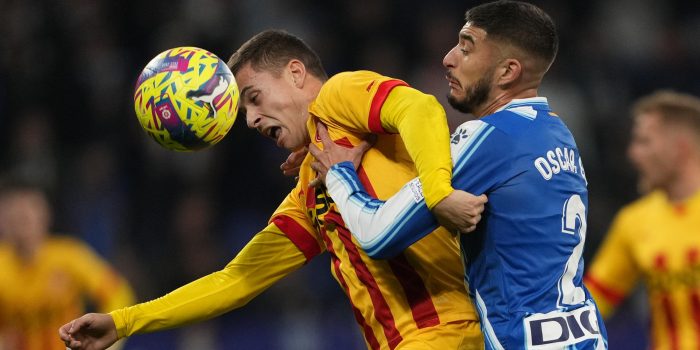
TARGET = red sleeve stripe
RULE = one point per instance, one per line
(296, 233)
(375, 120)
(608, 293)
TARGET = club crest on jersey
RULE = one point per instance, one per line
(318, 203)
(458, 135)
(466, 130)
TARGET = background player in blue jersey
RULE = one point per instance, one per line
(523, 264)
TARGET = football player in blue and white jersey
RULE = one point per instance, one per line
(523, 264)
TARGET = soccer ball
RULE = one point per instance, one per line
(186, 99)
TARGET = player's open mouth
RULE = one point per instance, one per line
(452, 82)
(274, 132)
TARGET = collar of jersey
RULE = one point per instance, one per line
(534, 102)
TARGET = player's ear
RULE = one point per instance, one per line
(685, 145)
(508, 71)
(297, 72)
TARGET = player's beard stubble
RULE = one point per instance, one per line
(474, 96)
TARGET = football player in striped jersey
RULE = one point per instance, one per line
(414, 300)
(656, 239)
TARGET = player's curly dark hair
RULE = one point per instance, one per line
(520, 24)
(272, 50)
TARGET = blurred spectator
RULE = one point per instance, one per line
(197, 253)
(32, 155)
(656, 239)
(46, 279)
(94, 203)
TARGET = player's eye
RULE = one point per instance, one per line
(253, 97)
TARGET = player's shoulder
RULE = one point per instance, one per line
(480, 134)
(364, 80)
(520, 115)
(61, 244)
(511, 122)
(6, 252)
(468, 130)
(355, 76)
(650, 203)
(642, 211)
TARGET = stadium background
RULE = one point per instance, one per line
(67, 70)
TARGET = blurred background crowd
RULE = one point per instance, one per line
(67, 72)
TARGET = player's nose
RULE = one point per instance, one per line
(253, 119)
(448, 61)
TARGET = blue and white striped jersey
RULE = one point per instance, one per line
(523, 264)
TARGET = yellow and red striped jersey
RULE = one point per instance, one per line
(658, 242)
(397, 302)
(39, 296)
(356, 103)
(420, 288)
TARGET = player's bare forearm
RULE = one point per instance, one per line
(460, 211)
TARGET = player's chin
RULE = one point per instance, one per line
(456, 95)
(289, 143)
(455, 90)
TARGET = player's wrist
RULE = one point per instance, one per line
(119, 323)
(345, 164)
(436, 195)
(342, 178)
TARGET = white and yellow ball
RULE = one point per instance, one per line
(186, 99)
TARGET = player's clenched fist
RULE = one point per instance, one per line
(460, 211)
(89, 332)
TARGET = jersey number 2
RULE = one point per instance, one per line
(574, 210)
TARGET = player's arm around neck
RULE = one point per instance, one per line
(421, 121)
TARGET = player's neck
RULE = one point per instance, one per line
(503, 98)
(687, 184)
(313, 86)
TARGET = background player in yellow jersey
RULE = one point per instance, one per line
(657, 238)
(45, 279)
(415, 300)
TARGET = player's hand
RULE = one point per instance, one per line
(460, 211)
(291, 166)
(333, 153)
(89, 332)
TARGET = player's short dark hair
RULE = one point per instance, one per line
(673, 107)
(520, 24)
(272, 50)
